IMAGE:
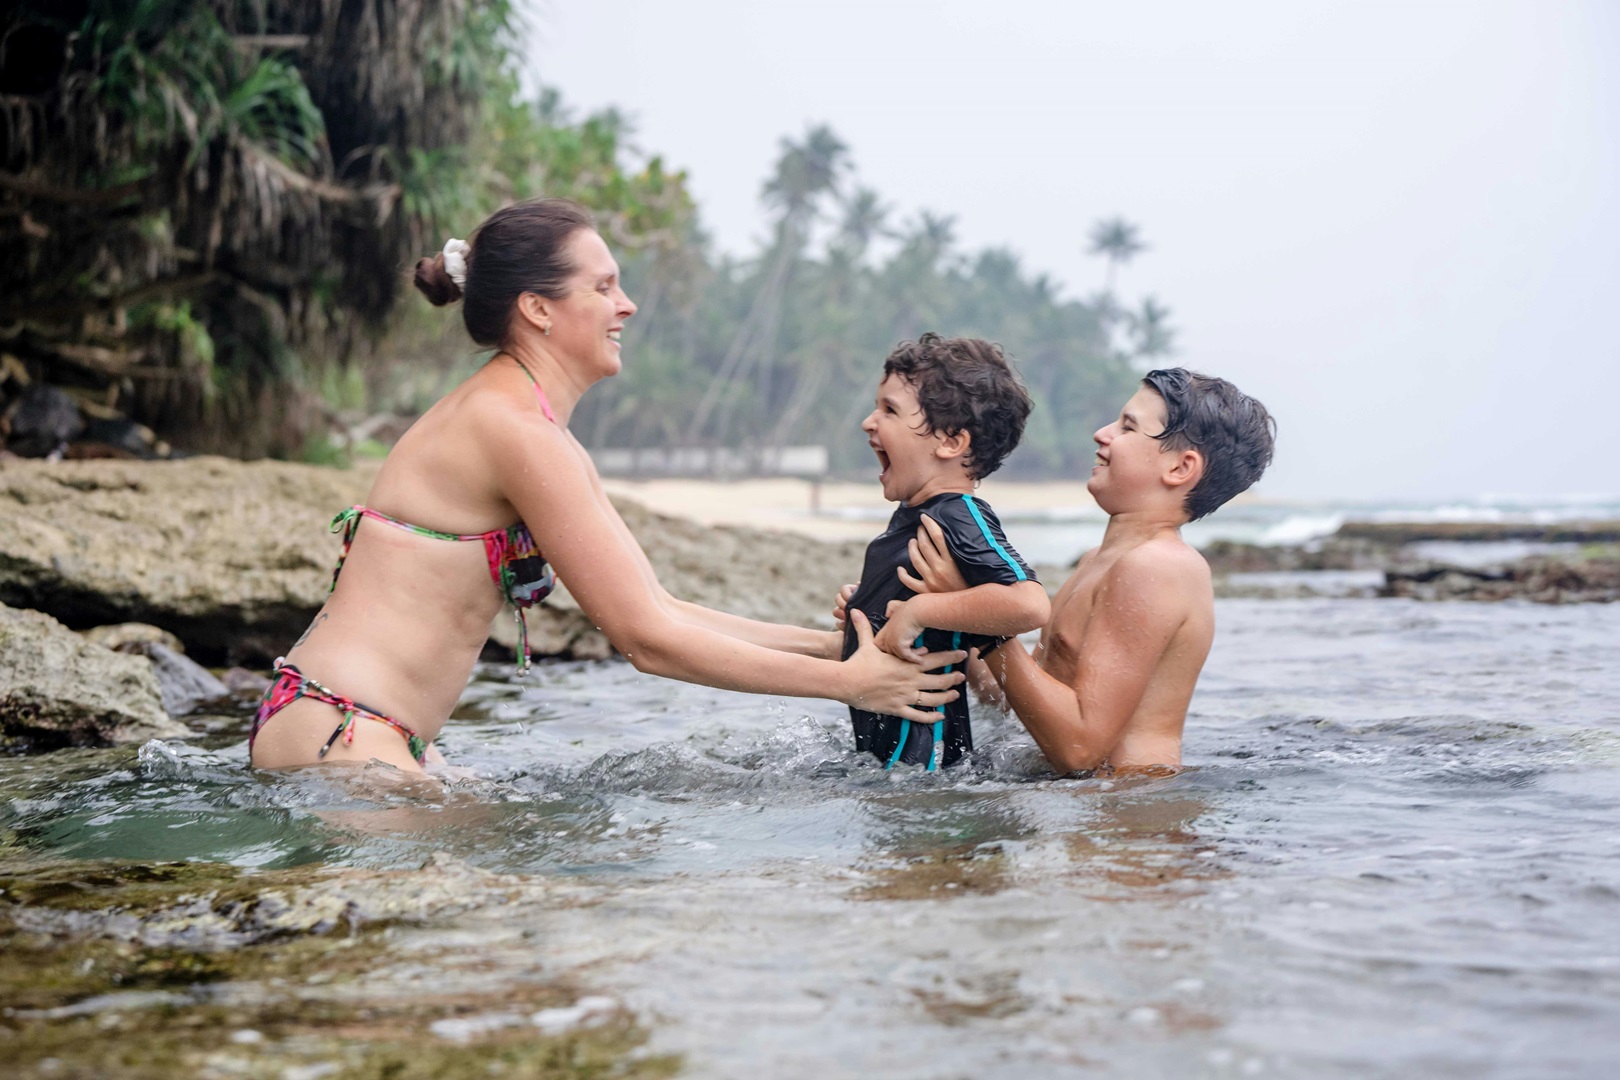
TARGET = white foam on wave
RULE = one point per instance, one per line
(1301, 529)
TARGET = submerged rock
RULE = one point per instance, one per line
(184, 684)
(1539, 579)
(209, 908)
(203, 969)
(58, 689)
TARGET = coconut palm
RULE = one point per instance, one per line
(1118, 241)
(1150, 329)
(806, 172)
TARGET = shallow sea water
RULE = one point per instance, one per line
(1395, 852)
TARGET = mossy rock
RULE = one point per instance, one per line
(87, 996)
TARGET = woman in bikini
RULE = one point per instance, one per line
(490, 486)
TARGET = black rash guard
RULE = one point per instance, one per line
(982, 553)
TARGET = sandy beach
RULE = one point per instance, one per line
(834, 510)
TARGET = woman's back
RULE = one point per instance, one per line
(411, 611)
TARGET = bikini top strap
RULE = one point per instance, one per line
(346, 522)
(545, 406)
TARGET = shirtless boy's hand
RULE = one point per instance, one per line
(841, 603)
(899, 635)
(936, 570)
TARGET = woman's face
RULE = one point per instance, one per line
(586, 322)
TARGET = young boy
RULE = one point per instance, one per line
(1110, 681)
(948, 411)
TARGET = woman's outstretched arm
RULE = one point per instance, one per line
(827, 645)
(544, 473)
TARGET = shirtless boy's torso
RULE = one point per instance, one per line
(1080, 644)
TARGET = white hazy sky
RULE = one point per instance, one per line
(1397, 224)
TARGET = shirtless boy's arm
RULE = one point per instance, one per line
(997, 610)
(944, 601)
(1138, 609)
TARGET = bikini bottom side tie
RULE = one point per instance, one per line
(288, 684)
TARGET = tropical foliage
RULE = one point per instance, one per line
(213, 205)
(209, 203)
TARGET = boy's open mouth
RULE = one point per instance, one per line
(883, 461)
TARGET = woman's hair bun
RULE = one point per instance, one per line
(435, 282)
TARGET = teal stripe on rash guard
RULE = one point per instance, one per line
(939, 725)
(899, 747)
(973, 507)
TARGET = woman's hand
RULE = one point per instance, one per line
(886, 684)
(840, 603)
(936, 570)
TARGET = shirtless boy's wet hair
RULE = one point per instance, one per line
(966, 384)
(1232, 430)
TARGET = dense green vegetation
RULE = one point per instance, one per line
(217, 203)
(209, 206)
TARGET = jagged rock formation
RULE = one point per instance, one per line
(235, 558)
(58, 689)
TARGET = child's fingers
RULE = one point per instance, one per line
(927, 552)
(936, 536)
(841, 604)
(916, 585)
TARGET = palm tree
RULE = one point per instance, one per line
(1119, 242)
(1151, 329)
(865, 219)
(805, 173)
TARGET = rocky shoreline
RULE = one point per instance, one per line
(120, 579)
(1562, 563)
(204, 969)
(224, 563)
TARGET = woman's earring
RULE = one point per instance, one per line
(547, 331)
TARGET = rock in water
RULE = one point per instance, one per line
(121, 635)
(184, 684)
(58, 689)
(239, 680)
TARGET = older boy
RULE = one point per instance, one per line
(948, 411)
(1114, 671)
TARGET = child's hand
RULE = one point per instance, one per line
(841, 604)
(936, 570)
(899, 635)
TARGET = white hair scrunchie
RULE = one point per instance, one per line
(455, 260)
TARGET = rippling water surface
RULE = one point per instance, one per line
(1396, 851)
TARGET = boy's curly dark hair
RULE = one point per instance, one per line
(965, 384)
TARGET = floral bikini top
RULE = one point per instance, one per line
(515, 562)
